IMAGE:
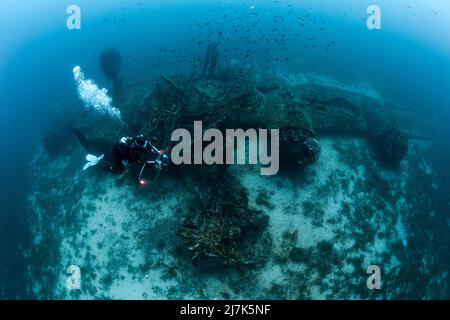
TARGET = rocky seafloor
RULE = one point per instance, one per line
(327, 224)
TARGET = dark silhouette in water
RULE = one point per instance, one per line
(110, 63)
(211, 61)
(390, 145)
(92, 146)
(128, 152)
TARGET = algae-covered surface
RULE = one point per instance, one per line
(326, 225)
(356, 112)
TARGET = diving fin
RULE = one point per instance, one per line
(92, 160)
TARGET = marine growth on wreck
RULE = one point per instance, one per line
(224, 220)
(293, 180)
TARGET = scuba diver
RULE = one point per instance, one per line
(128, 152)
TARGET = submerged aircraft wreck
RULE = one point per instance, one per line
(221, 229)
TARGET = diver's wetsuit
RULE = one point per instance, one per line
(128, 152)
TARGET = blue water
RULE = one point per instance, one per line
(407, 61)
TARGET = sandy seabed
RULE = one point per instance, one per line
(327, 225)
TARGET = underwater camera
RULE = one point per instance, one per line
(161, 161)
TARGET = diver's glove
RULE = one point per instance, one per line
(92, 160)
